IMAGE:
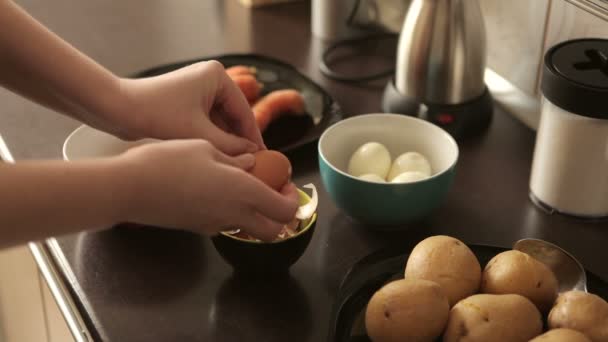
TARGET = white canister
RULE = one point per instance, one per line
(570, 165)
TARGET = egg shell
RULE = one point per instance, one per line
(272, 167)
(409, 176)
(409, 161)
(372, 177)
(371, 157)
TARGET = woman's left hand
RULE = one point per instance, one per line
(197, 101)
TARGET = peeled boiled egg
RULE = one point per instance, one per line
(409, 161)
(409, 176)
(372, 177)
(370, 158)
(272, 167)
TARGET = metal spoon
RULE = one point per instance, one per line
(569, 272)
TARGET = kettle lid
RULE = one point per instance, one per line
(575, 76)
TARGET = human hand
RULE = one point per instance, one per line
(198, 101)
(189, 184)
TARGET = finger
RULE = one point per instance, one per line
(244, 161)
(235, 106)
(217, 120)
(226, 142)
(267, 201)
(261, 227)
(291, 192)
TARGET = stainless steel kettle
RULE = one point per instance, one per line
(440, 66)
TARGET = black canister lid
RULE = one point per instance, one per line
(575, 76)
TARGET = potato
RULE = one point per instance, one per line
(519, 273)
(407, 310)
(496, 318)
(448, 262)
(561, 335)
(585, 312)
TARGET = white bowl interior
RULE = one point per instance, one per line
(87, 142)
(399, 133)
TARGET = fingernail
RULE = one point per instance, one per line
(291, 188)
(251, 147)
(249, 160)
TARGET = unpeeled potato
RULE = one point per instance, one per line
(495, 318)
(561, 335)
(585, 312)
(517, 272)
(448, 262)
(407, 310)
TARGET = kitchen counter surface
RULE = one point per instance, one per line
(156, 285)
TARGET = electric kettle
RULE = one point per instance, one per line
(440, 66)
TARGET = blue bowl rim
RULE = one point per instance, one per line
(388, 184)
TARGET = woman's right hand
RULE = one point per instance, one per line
(189, 184)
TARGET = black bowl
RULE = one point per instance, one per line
(255, 257)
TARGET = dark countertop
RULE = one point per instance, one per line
(157, 285)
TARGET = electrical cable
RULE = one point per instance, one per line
(328, 72)
(324, 64)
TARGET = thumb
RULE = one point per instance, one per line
(228, 143)
(244, 161)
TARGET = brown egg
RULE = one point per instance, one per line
(272, 168)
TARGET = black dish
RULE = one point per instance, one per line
(288, 132)
(377, 269)
(257, 258)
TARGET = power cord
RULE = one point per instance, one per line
(328, 72)
(324, 65)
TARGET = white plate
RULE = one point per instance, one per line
(88, 142)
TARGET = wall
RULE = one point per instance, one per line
(520, 31)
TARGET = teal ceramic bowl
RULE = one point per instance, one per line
(387, 205)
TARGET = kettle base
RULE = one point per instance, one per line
(462, 120)
(395, 102)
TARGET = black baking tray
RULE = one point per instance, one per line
(288, 132)
(375, 270)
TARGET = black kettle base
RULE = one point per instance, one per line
(395, 102)
(462, 120)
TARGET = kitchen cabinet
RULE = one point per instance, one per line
(56, 327)
(28, 312)
(21, 309)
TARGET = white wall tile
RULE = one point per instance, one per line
(568, 21)
(515, 32)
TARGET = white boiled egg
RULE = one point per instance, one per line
(371, 157)
(372, 177)
(409, 176)
(410, 161)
